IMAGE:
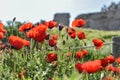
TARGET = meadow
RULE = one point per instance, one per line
(55, 52)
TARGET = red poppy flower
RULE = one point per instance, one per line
(84, 51)
(71, 32)
(117, 69)
(104, 62)
(1, 25)
(79, 54)
(55, 37)
(39, 33)
(79, 67)
(52, 42)
(98, 43)
(78, 23)
(29, 34)
(81, 35)
(1, 35)
(110, 68)
(117, 60)
(51, 24)
(51, 57)
(18, 42)
(2, 28)
(110, 58)
(25, 27)
(91, 66)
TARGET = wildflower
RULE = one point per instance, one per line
(104, 62)
(18, 42)
(78, 23)
(110, 68)
(52, 42)
(98, 43)
(2, 28)
(79, 67)
(39, 33)
(51, 24)
(91, 66)
(55, 37)
(29, 33)
(84, 51)
(79, 55)
(1, 35)
(110, 58)
(81, 35)
(25, 27)
(71, 32)
(117, 69)
(51, 57)
(1, 25)
(117, 60)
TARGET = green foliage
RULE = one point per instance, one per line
(33, 60)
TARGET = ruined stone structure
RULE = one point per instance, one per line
(107, 19)
(62, 18)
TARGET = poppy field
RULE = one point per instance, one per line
(51, 51)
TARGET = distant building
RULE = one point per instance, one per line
(107, 19)
(62, 18)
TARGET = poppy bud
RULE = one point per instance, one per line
(63, 42)
(47, 36)
(60, 27)
(55, 47)
(14, 19)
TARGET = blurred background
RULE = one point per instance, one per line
(45, 10)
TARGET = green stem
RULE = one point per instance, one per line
(15, 62)
(12, 28)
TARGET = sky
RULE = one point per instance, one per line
(36, 10)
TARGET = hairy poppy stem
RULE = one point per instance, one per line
(12, 28)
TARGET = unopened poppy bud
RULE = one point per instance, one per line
(67, 37)
(63, 42)
(14, 19)
(60, 27)
(55, 47)
(47, 36)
